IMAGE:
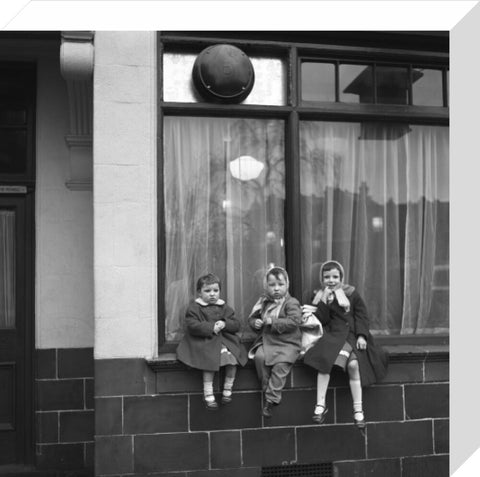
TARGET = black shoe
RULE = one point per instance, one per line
(226, 399)
(210, 405)
(360, 423)
(267, 409)
(320, 418)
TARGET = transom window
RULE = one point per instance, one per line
(348, 82)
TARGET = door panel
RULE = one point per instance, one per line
(14, 352)
(7, 396)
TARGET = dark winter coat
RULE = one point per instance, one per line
(340, 326)
(200, 347)
(282, 340)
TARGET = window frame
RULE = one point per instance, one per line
(292, 113)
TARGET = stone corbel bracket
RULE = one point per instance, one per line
(76, 66)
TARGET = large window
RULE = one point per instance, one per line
(224, 206)
(375, 197)
(347, 160)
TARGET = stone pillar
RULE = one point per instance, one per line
(125, 168)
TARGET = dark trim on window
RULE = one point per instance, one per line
(161, 262)
(321, 111)
(225, 110)
(376, 112)
(292, 228)
(378, 44)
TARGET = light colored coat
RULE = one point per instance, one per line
(282, 340)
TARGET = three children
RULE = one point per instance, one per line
(211, 340)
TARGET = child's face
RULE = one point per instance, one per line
(331, 278)
(210, 293)
(276, 286)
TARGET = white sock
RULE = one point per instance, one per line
(227, 386)
(322, 385)
(208, 391)
(358, 410)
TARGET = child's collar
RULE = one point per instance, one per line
(204, 303)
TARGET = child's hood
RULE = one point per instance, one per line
(348, 289)
(277, 269)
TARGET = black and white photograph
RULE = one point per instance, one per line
(227, 252)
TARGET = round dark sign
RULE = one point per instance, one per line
(223, 73)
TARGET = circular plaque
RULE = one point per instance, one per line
(223, 73)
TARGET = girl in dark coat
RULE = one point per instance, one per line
(211, 339)
(346, 341)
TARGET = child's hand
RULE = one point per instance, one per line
(308, 309)
(258, 323)
(326, 294)
(361, 343)
(267, 320)
(219, 325)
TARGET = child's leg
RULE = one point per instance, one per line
(322, 385)
(320, 412)
(263, 371)
(278, 378)
(230, 372)
(208, 389)
(355, 389)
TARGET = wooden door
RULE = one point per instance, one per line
(16, 402)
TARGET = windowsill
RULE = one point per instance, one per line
(397, 353)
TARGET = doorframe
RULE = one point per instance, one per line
(23, 205)
(29, 357)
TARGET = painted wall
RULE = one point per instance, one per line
(125, 194)
(64, 222)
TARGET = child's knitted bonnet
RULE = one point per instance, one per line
(275, 271)
(342, 292)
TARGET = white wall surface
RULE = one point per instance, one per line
(64, 224)
(125, 194)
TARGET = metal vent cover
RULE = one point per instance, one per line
(324, 469)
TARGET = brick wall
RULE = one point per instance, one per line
(152, 420)
(65, 410)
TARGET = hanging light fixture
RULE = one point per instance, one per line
(246, 168)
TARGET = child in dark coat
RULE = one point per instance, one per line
(211, 339)
(275, 317)
(346, 341)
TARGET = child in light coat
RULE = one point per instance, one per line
(276, 318)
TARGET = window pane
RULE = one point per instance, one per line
(318, 81)
(12, 116)
(13, 151)
(392, 85)
(7, 269)
(224, 203)
(375, 197)
(427, 87)
(269, 87)
(356, 84)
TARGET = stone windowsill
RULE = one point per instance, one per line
(397, 353)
